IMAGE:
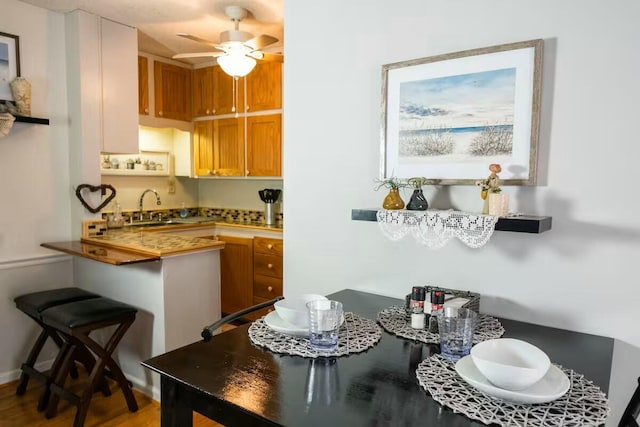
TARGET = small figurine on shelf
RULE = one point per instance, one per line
(417, 202)
(490, 185)
(392, 201)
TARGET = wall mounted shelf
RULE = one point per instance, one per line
(518, 224)
(160, 159)
(32, 120)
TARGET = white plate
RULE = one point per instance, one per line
(278, 324)
(275, 322)
(551, 387)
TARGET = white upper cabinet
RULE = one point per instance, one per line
(119, 72)
(102, 64)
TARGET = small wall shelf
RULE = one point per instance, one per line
(158, 159)
(518, 224)
(32, 120)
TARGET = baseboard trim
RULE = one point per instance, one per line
(7, 377)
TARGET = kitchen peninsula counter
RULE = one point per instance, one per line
(173, 281)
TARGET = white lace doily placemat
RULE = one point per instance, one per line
(583, 405)
(394, 320)
(356, 334)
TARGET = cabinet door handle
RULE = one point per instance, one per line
(146, 110)
(269, 266)
(270, 288)
(247, 171)
(269, 246)
(207, 112)
(160, 113)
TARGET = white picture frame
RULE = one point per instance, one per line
(448, 117)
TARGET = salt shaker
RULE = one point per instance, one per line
(417, 307)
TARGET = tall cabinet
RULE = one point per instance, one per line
(239, 128)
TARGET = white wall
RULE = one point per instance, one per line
(582, 274)
(236, 193)
(34, 180)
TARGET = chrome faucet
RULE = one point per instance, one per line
(140, 217)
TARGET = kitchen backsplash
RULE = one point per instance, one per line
(231, 215)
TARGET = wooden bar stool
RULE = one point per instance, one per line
(75, 321)
(33, 304)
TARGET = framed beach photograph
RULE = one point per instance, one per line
(448, 117)
(9, 64)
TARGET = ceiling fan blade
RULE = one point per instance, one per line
(197, 39)
(260, 41)
(272, 57)
(197, 55)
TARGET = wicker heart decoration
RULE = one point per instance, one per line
(102, 188)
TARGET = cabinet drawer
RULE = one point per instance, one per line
(267, 246)
(267, 265)
(266, 287)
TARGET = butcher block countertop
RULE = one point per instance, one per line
(120, 247)
(158, 244)
(100, 253)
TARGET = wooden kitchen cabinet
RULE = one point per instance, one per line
(203, 89)
(264, 145)
(228, 96)
(264, 87)
(218, 147)
(172, 90)
(236, 273)
(228, 147)
(203, 147)
(267, 271)
(143, 85)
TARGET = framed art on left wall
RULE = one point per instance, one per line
(9, 63)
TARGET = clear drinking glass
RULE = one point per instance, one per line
(325, 317)
(456, 327)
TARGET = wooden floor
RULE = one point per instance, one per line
(20, 411)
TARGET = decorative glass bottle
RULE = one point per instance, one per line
(393, 201)
(417, 202)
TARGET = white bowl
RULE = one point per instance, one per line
(294, 309)
(509, 363)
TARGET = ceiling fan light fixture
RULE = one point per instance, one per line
(236, 65)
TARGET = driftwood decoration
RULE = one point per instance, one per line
(92, 188)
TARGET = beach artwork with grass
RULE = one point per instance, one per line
(4, 63)
(463, 118)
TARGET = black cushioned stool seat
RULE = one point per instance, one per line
(33, 304)
(75, 321)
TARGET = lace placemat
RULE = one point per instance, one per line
(583, 405)
(356, 334)
(394, 320)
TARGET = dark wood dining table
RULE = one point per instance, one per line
(232, 381)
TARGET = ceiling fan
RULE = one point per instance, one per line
(237, 50)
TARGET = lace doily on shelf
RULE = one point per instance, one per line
(394, 320)
(583, 405)
(434, 228)
(356, 334)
